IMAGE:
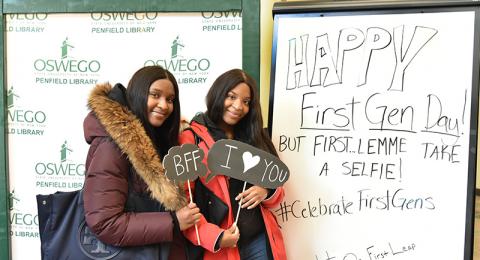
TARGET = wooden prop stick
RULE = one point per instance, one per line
(240, 203)
(191, 157)
(191, 201)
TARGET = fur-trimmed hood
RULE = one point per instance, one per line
(127, 132)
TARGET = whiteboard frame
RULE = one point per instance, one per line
(345, 8)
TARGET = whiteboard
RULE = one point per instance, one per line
(375, 116)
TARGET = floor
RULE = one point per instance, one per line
(476, 243)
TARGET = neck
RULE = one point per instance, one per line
(228, 129)
(229, 135)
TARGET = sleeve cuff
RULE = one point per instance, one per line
(217, 243)
(270, 193)
(176, 226)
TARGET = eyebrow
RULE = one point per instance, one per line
(233, 92)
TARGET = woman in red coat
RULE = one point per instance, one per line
(233, 112)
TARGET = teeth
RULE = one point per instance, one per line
(158, 114)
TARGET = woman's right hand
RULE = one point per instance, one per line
(230, 237)
(188, 216)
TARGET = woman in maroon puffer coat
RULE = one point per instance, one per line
(129, 132)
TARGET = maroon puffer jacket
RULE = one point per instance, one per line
(117, 143)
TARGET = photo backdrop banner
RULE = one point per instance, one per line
(374, 113)
(54, 60)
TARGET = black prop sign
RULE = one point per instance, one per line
(244, 162)
(184, 163)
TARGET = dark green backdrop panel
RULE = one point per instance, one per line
(251, 38)
(76, 6)
(4, 205)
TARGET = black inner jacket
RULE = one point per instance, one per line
(250, 221)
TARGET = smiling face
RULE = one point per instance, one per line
(235, 107)
(160, 101)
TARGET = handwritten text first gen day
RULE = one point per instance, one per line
(383, 110)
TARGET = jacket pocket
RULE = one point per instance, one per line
(211, 206)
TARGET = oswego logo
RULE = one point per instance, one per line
(23, 222)
(68, 66)
(63, 151)
(65, 48)
(66, 63)
(12, 200)
(65, 168)
(187, 69)
(26, 23)
(222, 15)
(123, 16)
(92, 247)
(222, 21)
(177, 47)
(65, 173)
(23, 120)
(11, 96)
(29, 17)
(119, 23)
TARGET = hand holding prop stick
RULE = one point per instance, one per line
(184, 163)
(247, 163)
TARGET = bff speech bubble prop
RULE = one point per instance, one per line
(247, 163)
(184, 163)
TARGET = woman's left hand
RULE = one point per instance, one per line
(252, 197)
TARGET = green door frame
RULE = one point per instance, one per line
(250, 56)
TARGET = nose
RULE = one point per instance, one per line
(162, 103)
(237, 104)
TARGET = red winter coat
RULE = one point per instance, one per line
(209, 232)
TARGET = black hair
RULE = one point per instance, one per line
(251, 125)
(166, 135)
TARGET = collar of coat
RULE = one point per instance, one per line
(128, 133)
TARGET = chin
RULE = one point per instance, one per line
(157, 123)
(231, 122)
